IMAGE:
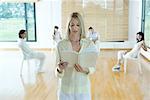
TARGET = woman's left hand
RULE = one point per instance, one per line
(80, 69)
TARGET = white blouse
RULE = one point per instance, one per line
(135, 51)
(27, 51)
(71, 81)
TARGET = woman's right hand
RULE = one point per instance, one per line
(62, 66)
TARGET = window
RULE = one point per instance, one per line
(146, 20)
(16, 16)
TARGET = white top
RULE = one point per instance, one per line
(71, 81)
(93, 36)
(27, 51)
(135, 51)
(57, 37)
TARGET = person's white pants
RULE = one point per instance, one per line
(40, 56)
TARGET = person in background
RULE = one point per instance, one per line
(131, 54)
(74, 80)
(56, 36)
(92, 34)
(28, 52)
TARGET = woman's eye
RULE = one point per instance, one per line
(78, 25)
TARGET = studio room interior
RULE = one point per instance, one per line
(74, 49)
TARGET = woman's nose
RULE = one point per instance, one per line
(75, 27)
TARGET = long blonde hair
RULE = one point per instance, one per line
(77, 16)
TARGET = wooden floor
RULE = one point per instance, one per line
(105, 84)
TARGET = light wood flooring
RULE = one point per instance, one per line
(105, 84)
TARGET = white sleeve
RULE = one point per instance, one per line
(26, 49)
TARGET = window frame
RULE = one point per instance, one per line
(26, 25)
(144, 21)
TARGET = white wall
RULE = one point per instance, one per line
(48, 14)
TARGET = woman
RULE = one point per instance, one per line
(74, 81)
(56, 35)
(28, 52)
(131, 54)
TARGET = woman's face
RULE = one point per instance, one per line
(138, 37)
(23, 35)
(55, 29)
(74, 26)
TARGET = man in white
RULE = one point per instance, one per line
(28, 52)
(93, 35)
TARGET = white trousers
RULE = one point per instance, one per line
(40, 56)
(123, 55)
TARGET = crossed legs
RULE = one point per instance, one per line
(120, 60)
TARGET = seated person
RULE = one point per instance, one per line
(131, 54)
(93, 35)
(56, 35)
(28, 52)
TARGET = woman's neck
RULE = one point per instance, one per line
(74, 38)
(22, 38)
(75, 42)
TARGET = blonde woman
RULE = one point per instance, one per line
(74, 80)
